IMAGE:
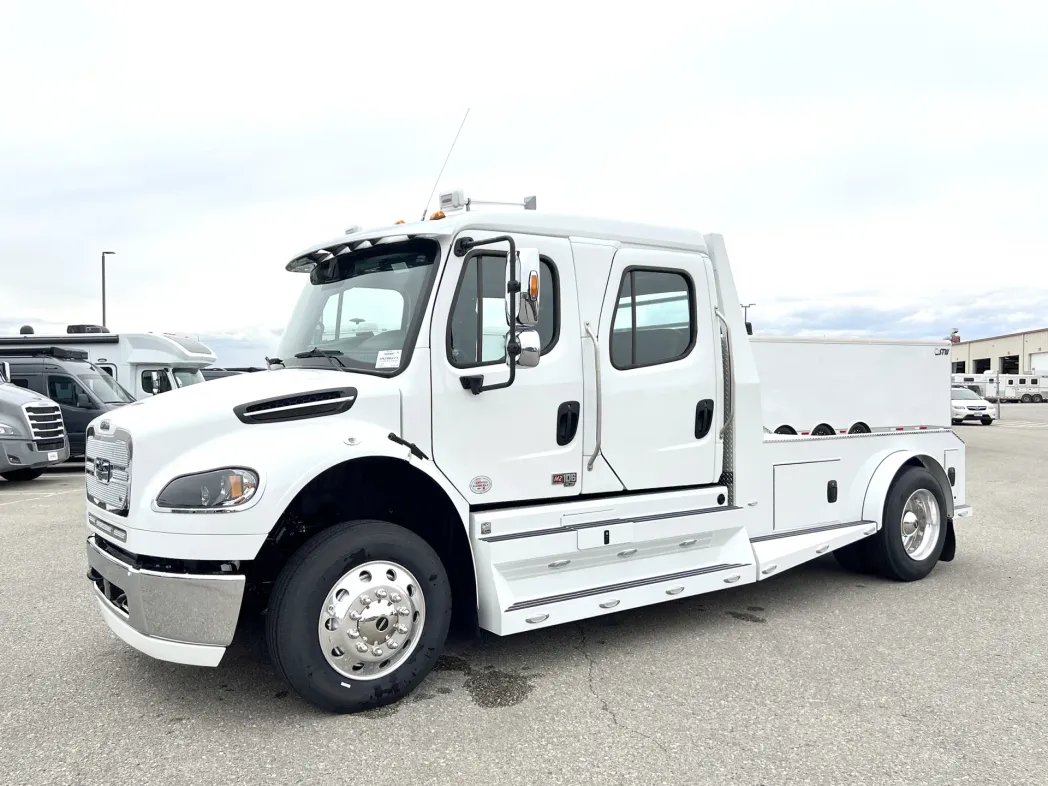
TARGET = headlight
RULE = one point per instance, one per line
(8, 431)
(218, 489)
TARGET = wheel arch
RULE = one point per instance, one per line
(403, 490)
(889, 469)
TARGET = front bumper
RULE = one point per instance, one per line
(179, 617)
(23, 454)
(969, 415)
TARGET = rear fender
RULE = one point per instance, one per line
(886, 472)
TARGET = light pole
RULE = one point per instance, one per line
(745, 310)
(104, 254)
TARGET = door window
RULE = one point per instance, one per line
(654, 320)
(477, 330)
(22, 382)
(67, 392)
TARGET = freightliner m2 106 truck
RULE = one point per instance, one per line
(515, 419)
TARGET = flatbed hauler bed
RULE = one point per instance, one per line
(397, 466)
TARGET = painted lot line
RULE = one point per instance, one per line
(1021, 424)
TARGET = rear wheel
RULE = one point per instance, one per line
(359, 616)
(22, 474)
(1027, 398)
(1038, 398)
(823, 430)
(909, 543)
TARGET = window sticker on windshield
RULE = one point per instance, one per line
(388, 358)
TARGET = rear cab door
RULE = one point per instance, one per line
(660, 371)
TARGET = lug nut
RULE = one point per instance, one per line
(377, 651)
(403, 611)
(354, 633)
(362, 647)
(331, 609)
(354, 615)
(393, 645)
(402, 628)
(396, 597)
(365, 599)
(380, 593)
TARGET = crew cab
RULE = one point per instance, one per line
(516, 419)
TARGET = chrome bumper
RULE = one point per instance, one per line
(176, 608)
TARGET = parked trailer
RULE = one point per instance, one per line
(1023, 388)
(821, 386)
(609, 455)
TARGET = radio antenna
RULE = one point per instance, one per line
(437, 182)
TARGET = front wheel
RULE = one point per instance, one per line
(359, 616)
(22, 474)
(987, 421)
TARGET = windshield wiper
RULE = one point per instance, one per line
(316, 352)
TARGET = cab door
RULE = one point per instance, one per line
(524, 441)
(78, 409)
(660, 382)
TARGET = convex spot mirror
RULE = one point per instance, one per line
(526, 271)
(530, 349)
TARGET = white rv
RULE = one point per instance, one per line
(143, 363)
(1027, 388)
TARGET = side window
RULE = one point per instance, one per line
(1033, 381)
(22, 382)
(477, 328)
(63, 390)
(654, 321)
(155, 381)
(110, 370)
(1022, 381)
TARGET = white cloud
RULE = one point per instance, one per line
(894, 150)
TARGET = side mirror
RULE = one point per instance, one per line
(530, 348)
(526, 271)
(83, 402)
(5, 372)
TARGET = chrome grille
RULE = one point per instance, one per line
(45, 420)
(107, 466)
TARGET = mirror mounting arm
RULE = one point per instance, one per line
(475, 383)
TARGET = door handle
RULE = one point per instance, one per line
(567, 421)
(703, 417)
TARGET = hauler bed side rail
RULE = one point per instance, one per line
(616, 456)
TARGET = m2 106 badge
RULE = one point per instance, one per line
(566, 479)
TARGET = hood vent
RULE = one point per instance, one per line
(317, 404)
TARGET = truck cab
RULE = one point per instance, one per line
(517, 419)
(32, 433)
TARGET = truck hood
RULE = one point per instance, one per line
(206, 408)
(12, 394)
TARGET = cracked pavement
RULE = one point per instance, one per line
(817, 676)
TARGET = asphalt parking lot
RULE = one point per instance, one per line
(816, 677)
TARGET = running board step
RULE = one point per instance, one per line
(781, 551)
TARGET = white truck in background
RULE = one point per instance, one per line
(144, 364)
(824, 385)
(608, 454)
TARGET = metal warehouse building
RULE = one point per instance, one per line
(1014, 353)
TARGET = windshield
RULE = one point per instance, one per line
(363, 310)
(187, 376)
(965, 394)
(106, 389)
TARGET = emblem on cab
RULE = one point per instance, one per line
(480, 485)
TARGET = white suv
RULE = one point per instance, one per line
(965, 404)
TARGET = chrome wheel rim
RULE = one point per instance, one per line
(921, 522)
(371, 620)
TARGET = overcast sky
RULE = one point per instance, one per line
(876, 168)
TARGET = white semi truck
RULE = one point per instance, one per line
(609, 453)
(144, 364)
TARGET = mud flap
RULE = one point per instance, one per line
(949, 548)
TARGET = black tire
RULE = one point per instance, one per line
(1026, 399)
(1038, 398)
(987, 421)
(956, 422)
(298, 597)
(21, 475)
(886, 551)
